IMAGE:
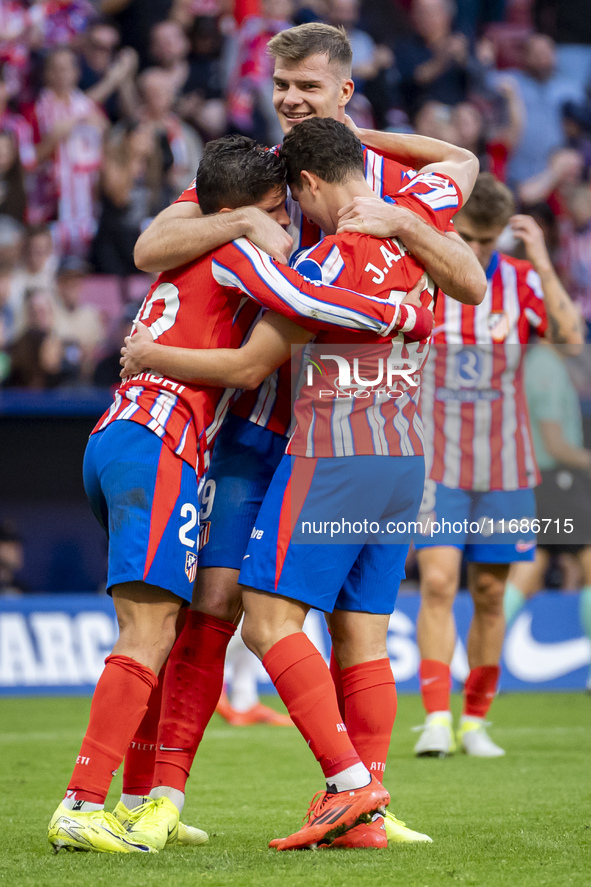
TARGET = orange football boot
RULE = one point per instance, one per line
(332, 814)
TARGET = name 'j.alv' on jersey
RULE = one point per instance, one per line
(358, 394)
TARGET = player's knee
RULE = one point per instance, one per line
(488, 591)
(256, 635)
(438, 588)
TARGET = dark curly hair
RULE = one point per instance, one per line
(236, 171)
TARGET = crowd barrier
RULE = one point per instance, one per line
(56, 644)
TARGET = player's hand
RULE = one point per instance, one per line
(268, 234)
(413, 296)
(527, 229)
(350, 124)
(135, 352)
(371, 215)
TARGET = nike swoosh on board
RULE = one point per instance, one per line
(537, 661)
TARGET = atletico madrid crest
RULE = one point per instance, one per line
(498, 326)
(191, 566)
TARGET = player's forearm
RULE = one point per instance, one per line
(409, 149)
(564, 324)
(217, 367)
(171, 242)
(447, 259)
(561, 450)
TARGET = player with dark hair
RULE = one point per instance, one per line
(141, 471)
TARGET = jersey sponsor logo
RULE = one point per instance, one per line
(469, 366)
(498, 325)
(191, 566)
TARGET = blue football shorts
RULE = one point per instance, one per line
(333, 532)
(244, 460)
(492, 527)
(145, 497)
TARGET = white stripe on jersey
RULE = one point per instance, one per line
(265, 401)
(374, 171)
(160, 411)
(112, 410)
(183, 439)
(341, 427)
(306, 306)
(377, 423)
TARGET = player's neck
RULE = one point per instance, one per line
(342, 195)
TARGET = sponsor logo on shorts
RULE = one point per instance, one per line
(191, 566)
(521, 547)
(256, 534)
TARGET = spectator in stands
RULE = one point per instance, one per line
(13, 201)
(108, 77)
(36, 270)
(202, 102)
(434, 119)
(8, 321)
(68, 128)
(108, 369)
(369, 59)
(11, 240)
(157, 91)
(568, 22)
(64, 21)
(575, 252)
(135, 19)
(543, 94)
(12, 560)
(37, 355)
(133, 190)
(17, 125)
(169, 49)
(250, 87)
(490, 138)
(79, 327)
(435, 63)
(555, 182)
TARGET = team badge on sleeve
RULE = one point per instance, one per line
(191, 566)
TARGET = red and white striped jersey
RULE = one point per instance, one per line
(473, 400)
(205, 305)
(336, 413)
(270, 405)
(65, 183)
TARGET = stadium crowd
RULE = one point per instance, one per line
(105, 107)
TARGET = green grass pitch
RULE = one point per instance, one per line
(519, 821)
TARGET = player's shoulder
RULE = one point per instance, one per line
(522, 266)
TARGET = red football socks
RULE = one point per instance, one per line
(192, 687)
(480, 689)
(119, 703)
(303, 681)
(138, 767)
(435, 679)
(370, 710)
(335, 673)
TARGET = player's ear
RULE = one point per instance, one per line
(309, 180)
(347, 90)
